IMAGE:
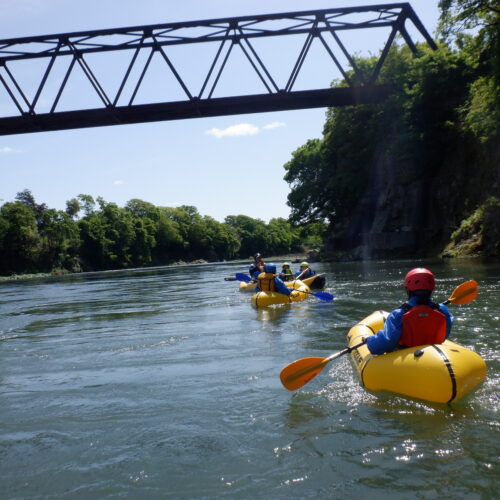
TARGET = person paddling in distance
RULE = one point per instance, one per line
(257, 266)
(304, 272)
(268, 281)
(419, 321)
(286, 273)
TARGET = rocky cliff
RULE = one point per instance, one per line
(419, 209)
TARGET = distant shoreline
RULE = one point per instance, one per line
(293, 258)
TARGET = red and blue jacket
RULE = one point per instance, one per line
(410, 325)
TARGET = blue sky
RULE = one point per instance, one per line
(224, 166)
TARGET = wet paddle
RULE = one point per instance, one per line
(243, 277)
(464, 293)
(300, 372)
(327, 297)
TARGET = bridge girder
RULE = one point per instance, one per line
(38, 112)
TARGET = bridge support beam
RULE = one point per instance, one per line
(260, 103)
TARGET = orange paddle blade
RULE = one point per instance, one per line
(300, 372)
(464, 293)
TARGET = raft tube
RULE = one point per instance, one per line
(247, 287)
(314, 282)
(439, 373)
(262, 299)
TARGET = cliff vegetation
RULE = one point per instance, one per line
(418, 174)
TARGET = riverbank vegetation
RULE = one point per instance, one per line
(400, 178)
(95, 235)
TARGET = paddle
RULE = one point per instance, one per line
(242, 277)
(328, 297)
(300, 372)
(300, 275)
(230, 278)
(463, 294)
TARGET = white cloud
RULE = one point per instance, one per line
(234, 130)
(7, 149)
(272, 125)
(118, 182)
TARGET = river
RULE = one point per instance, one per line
(164, 383)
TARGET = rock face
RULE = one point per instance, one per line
(411, 210)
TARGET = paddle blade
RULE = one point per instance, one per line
(300, 372)
(230, 278)
(464, 293)
(243, 277)
(328, 297)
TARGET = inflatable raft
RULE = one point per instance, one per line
(261, 299)
(439, 373)
(314, 283)
(247, 287)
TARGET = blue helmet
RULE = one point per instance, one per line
(270, 268)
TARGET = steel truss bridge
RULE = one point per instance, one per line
(31, 99)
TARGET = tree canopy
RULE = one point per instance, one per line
(97, 235)
(443, 101)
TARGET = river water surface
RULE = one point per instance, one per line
(164, 383)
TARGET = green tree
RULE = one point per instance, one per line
(144, 241)
(170, 243)
(107, 237)
(139, 209)
(87, 203)
(19, 238)
(73, 206)
(250, 232)
(282, 237)
(59, 241)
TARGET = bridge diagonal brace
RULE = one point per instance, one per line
(350, 59)
(63, 84)
(17, 86)
(174, 71)
(408, 39)
(262, 65)
(383, 56)
(221, 69)
(214, 63)
(44, 78)
(12, 96)
(335, 60)
(91, 77)
(127, 73)
(300, 61)
(141, 77)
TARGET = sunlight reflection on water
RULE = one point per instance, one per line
(163, 383)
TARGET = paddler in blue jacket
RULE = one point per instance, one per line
(304, 272)
(419, 321)
(268, 281)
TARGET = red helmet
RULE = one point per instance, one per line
(420, 279)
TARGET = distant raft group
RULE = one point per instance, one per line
(272, 288)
